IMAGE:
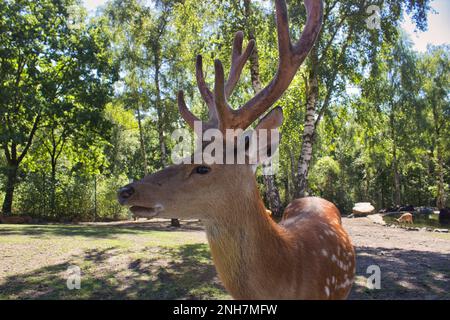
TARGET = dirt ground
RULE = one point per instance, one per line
(413, 264)
(149, 260)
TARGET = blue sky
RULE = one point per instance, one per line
(438, 24)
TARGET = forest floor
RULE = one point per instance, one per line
(148, 260)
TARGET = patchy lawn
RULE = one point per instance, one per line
(148, 260)
(143, 260)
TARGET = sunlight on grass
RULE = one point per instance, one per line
(116, 263)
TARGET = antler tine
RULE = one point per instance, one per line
(203, 87)
(187, 115)
(238, 61)
(220, 100)
(314, 8)
(291, 57)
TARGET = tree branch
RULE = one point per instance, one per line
(30, 138)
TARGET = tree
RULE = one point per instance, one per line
(272, 194)
(435, 71)
(50, 61)
(345, 45)
(143, 35)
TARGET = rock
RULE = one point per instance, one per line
(377, 218)
(441, 230)
(412, 229)
(363, 208)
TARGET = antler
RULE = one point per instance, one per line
(221, 115)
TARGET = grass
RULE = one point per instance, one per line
(125, 261)
(419, 220)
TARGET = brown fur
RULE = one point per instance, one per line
(406, 217)
(307, 256)
(255, 257)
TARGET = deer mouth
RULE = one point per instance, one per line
(147, 211)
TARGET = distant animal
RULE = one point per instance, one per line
(406, 217)
(15, 219)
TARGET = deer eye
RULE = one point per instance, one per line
(202, 169)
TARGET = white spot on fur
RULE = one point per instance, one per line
(327, 291)
(324, 253)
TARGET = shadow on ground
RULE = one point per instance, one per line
(405, 274)
(97, 230)
(187, 273)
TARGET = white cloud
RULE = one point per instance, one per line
(438, 27)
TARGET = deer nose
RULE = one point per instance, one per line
(125, 193)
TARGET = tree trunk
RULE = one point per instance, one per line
(14, 159)
(272, 194)
(397, 190)
(141, 140)
(11, 175)
(160, 114)
(441, 198)
(437, 120)
(312, 94)
(292, 162)
(160, 121)
(53, 188)
(95, 197)
(312, 97)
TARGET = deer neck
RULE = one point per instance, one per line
(247, 247)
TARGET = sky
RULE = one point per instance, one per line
(438, 24)
(438, 27)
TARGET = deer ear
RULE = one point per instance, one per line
(265, 137)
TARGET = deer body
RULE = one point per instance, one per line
(309, 254)
(406, 217)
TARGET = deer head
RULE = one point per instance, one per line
(204, 191)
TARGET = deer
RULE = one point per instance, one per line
(308, 254)
(406, 217)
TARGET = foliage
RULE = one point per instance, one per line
(88, 103)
